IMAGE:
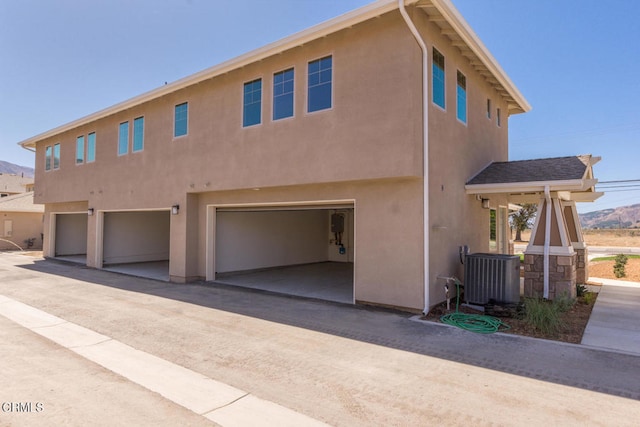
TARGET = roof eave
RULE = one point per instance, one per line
(455, 19)
(526, 187)
(343, 21)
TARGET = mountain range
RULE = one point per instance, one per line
(621, 217)
(10, 168)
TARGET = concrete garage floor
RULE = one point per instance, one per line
(330, 281)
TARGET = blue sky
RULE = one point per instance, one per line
(576, 62)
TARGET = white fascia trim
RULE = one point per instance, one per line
(317, 31)
(525, 187)
(455, 19)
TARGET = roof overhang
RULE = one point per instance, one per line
(469, 44)
(578, 190)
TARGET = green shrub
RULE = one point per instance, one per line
(564, 303)
(544, 316)
(589, 298)
(619, 266)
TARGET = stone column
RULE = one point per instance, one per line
(562, 276)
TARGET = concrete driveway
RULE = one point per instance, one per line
(314, 361)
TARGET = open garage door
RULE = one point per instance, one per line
(70, 237)
(137, 243)
(299, 250)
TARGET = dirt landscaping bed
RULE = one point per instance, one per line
(604, 269)
(572, 322)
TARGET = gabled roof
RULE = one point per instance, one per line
(442, 12)
(11, 183)
(20, 203)
(572, 174)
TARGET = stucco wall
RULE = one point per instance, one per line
(24, 226)
(250, 240)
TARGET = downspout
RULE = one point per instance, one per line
(547, 237)
(425, 147)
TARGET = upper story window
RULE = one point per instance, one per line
(488, 108)
(252, 103)
(138, 134)
(461, 97)
(123, 138)
(56, 156)
(283, 94)
(437, 82)
(320, 76)
(181, 120)
(91, 147)
(48, 156)
(80, 150)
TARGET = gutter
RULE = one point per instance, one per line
(425, 147)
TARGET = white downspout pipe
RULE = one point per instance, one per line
(547, 238)
(425, 146)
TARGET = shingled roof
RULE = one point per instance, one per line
(552, 169)
(12, 184)
(572, 175)
(20, 203)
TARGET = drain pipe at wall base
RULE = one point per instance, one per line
(547, 237)
(425, 146)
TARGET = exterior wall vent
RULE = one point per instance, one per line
(491, 277)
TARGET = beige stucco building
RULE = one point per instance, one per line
(351, 142)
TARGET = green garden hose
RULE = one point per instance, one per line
(479, 323)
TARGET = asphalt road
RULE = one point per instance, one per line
(337, 364)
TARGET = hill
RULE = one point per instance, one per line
(10, 168)
(621, 217)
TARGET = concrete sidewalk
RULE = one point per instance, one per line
(615, 320)
(339, 364)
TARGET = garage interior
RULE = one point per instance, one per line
(70, 237)
(303, 251)
(137, 243)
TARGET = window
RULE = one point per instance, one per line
(180, 125)
(488, 108)
(438, 78)
(498, 118)
(123, 138)
(319, 84)
(47, 158)
(283, 94)
(461, 98)
(252, 103)
(138, 134)
(80, 150)
(56, 156)
(91, 147)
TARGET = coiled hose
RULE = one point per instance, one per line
(479, 323)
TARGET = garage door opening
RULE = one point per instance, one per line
(70, 237)
(303, 251)
(137, 243)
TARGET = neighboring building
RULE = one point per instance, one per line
(21, 222)
(314, 148)
(14, 184)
